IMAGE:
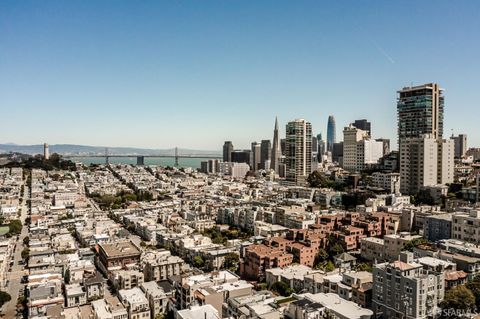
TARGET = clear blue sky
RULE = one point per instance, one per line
(195, 73)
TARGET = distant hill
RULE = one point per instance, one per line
(72, 149)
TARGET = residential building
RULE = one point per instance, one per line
(460, 145)
(298, 158)
(136, 303)
(425, 161)
(390, 182)
(404, 288)
(420, 111)
(466, 226)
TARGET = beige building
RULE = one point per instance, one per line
(467, 226)
(359, 149)
(425, 161)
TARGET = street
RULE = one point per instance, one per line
(9, 309)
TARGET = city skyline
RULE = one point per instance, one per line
(129, 75)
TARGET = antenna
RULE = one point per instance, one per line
(106, 156)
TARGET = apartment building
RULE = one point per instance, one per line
(466, 226)
(404, 288)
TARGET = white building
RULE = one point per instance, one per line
(388, 181)
(425, 161)
(359, 149)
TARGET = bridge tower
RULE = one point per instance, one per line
(176, 156)
(106, 156)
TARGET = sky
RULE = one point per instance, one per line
(192, 74)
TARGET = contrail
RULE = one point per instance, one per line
(382, 51)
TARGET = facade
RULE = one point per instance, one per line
(363, 125)
(227, 151)
(437, 227)
(265, 153)
(331, 133)
(298, 153)
(161, 265)
(404, 287)
(460, 144)
(420, 111)
(466, 226)
(136, 303)
(388, 181)
(157, 299)
(276, 150)
(425, 161)
(359, 149)
(255, 156)
(241, 156)
(118, 255)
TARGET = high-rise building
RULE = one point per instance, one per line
(265, 152)
(298, 151)
(363, 125)
(425, 161)
(331, 133)
(255, 156)
(276, 150)
(321, 145)
(241, 156)
(460, 142)
(420, 111)
(337, 153)
(227, 151)
(46, 152)
(314, 149)
(359, 149)
(386, 144)
(425, 158)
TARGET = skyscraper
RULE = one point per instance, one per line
(331, 133)
(425, 161)
(420, 111)
(321, 146)
(227, 151)
(298, 151)
(276, 151)
(363, 125)
(425, 158)
(255, 156)
(265, 152)
(460, 145)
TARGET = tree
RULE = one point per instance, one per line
(459, 298)
(4, 297)
(26, 241)
(409, 245)
(67, 276)
(25, 253)
(198, 262)
(474, 286)
(15, 227)
(231, 262)
(282, 288)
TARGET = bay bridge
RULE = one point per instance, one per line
(141, 158)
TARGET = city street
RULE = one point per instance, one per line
(17, 271)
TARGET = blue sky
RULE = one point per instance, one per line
(195, 73)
